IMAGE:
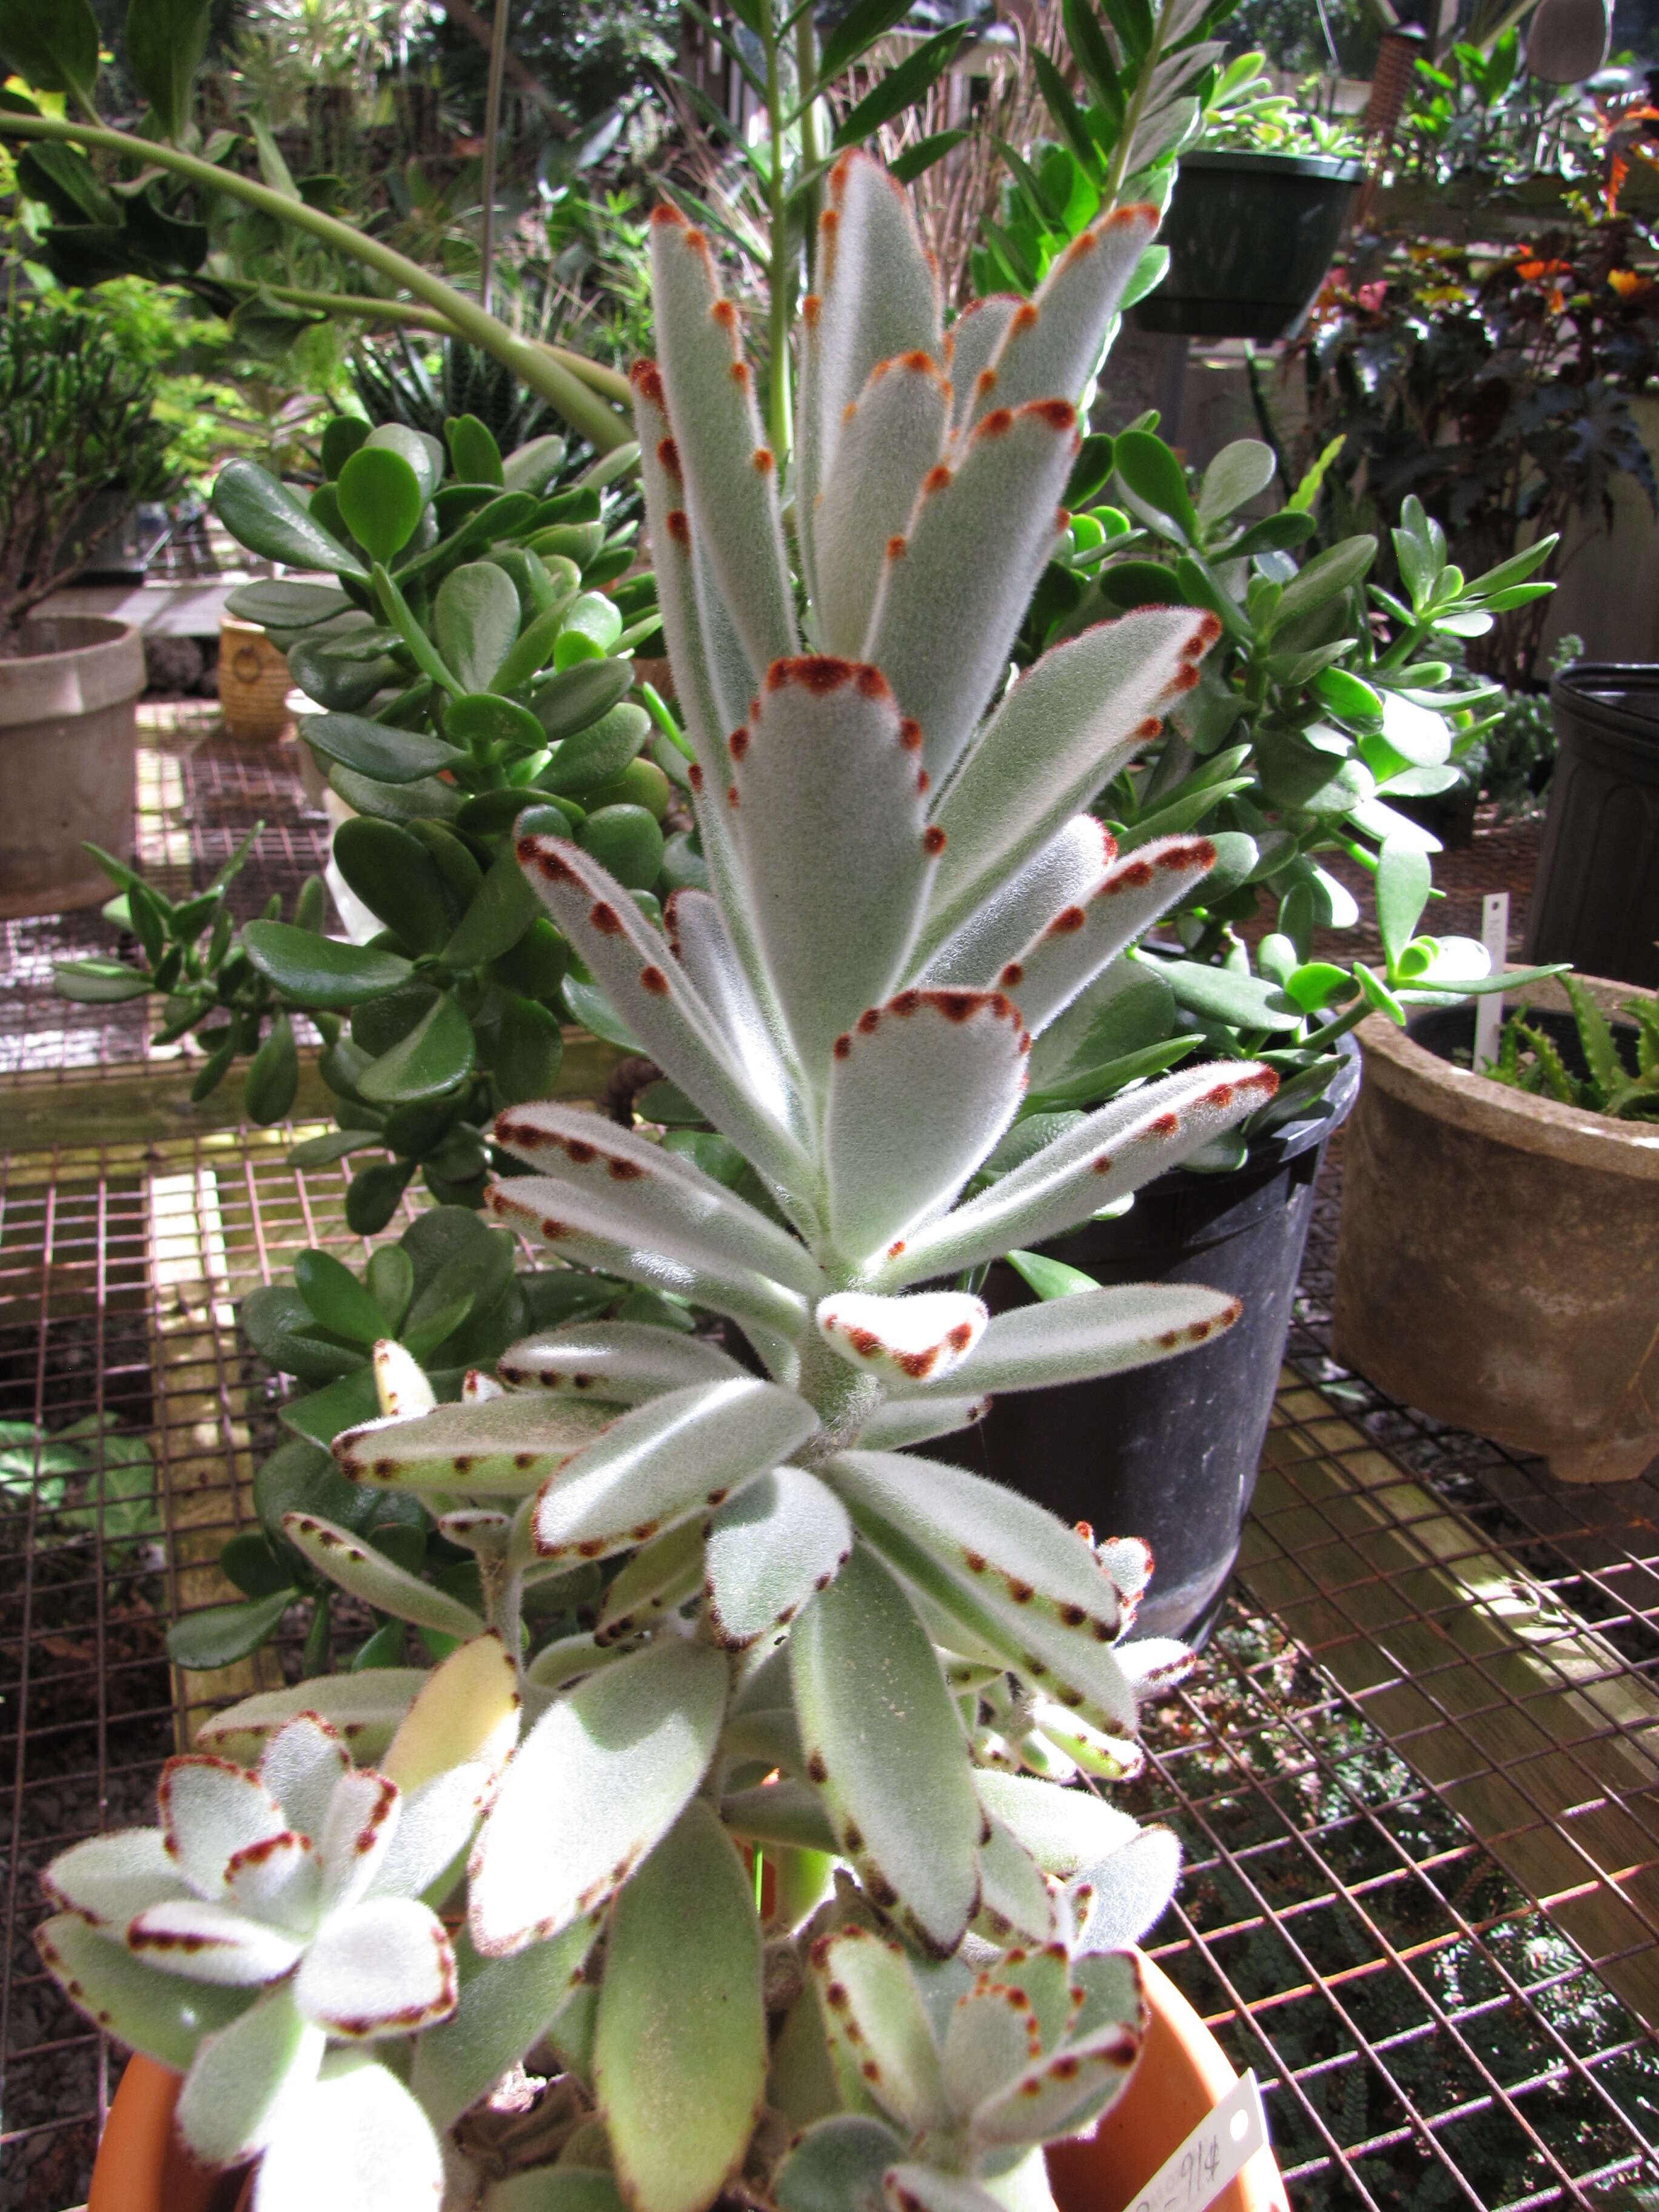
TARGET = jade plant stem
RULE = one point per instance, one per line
(609, 383)
(581, 407)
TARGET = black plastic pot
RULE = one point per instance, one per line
(1250, 237)
(1169, 1453)
(1596, 900)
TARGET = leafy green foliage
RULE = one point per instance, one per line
(1529, 1059)
(1326, 701)
(446, 1293)
(75, 423)
(87, 1477)
(495, 684)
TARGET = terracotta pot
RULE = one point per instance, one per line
(1182, 2074)
(253, 683)
(68, 729)
(1498, 1259)
(141, 2166)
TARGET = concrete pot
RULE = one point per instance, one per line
(1499, 1260)
(67, 730)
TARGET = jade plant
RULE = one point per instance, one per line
(751, 1901)
(1528, 1059)
(446, 1293)
(467, 633)
(1326, 707)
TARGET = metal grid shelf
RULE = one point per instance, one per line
(1427, 2030)
(1415, 1777)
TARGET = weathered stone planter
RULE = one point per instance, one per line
(1498, 1261)
(68, 727)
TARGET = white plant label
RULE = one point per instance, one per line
(1489, 1011)
(1212, 2156)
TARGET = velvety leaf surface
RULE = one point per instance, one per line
(599, 1781)
(731, 477)
(680, 2047)
(507, 1445)
(925, 1086)
(1058, 736)
(768, 1549)
(661, 1462)
(624, 1362)
(886, 1747)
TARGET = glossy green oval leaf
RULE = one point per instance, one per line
(336, 1298)
(1156, 482)
(346, 1404)
(264, 516)
(476, 456)
(484, 718)
(381, 500)
(475, 619)
(435, 1056)
(285, 603)
(1237, 474)
(428, 798)
(1405, 878)
(627, 841)
(593, 622)
(397, 879)
(376, 750)
(529, 1050)
(422, 452)
(219, 1635)
(1247, 1002)
(576, 697)
(320, 971)
(680, 2043)
(498, 917)
(599, 752)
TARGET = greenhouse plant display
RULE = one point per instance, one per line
(468, 665)
(812, 1648)
(75, 424)
(1516, 1206)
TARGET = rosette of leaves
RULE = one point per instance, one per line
(1529, 1059)
(1326, 703)
(442, 1300)
(904, 891)
(471, 655)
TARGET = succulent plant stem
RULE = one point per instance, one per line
(1125, 147)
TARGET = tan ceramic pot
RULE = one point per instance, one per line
(67, 730)
(1498, 1259)
(1181, 2074)
(253, 683)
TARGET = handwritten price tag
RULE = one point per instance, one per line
(1212, 2156)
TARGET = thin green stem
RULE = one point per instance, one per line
(534, 365)
(1132, 112)
(811, 150)
(778, 417)
(492, 134)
